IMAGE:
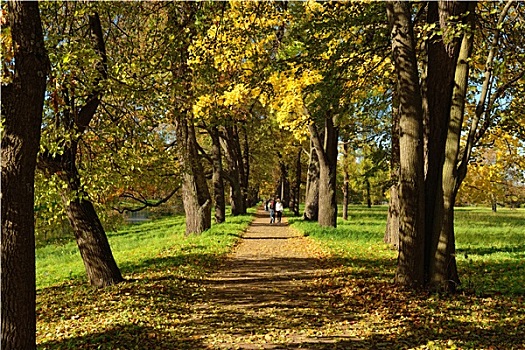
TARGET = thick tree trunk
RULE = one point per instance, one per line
(327, 154)
(101, 267)
(22, 105)
(195, 193)
(410, 267)
(392, 224)
(442, 268)
(217, 180)
(311, 206)
(442, 58)
(92, 242)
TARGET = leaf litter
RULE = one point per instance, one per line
(275, 290)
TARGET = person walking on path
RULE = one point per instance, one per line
(271, 207)
(279, 209)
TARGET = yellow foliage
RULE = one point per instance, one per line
(288, 104)
(495, 174)
(236, 96)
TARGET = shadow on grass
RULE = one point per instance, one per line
(278, 303)
(127, 336)
(147, 226)
(304, 300)
(275, 303)
(491, 250)
(171, 261)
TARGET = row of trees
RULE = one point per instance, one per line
(128, 104)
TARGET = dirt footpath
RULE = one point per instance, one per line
(264, 295)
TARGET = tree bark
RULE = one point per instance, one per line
(483, 106)
(346, 181)
(283, 187)
(244, 154)
(101, 267)
(230, 147)
(410, 266)
(22, 106)
(327, 154)
(297, 186)
(442, 268)
(392, 223)
(442, 54)
(368, 195)
(311, 207)
(195, 193)
(217, 180)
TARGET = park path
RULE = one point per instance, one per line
(264, 295)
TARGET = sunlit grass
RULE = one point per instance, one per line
(136, 246)
(490, 246)
(164, 304)
(491, 249)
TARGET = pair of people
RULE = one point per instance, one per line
(276, 209)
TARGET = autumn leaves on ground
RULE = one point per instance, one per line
(277, 289)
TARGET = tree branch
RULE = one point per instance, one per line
(145, 203)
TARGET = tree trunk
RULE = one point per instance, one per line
(92, 242)
(442, 268)
(297, 186)
(392, 223)
(22, 106)
(101, 267)
(368, 196)
(218, 181)
(244, 156)
(346, 181)
(230, 146)
(311, 207)
(442, 57)
(485, 103)
(410, 266)
(327, 154)
(283, 187)
(493, 204)
(195, 193)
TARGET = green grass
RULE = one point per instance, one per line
(490, 246)
(154, 244)
(491, 250)
(163, 304)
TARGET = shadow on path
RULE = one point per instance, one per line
(263, 295)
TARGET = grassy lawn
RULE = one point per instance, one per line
(487, 313)
(139, 247)
(490, 246)
(154, 307)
